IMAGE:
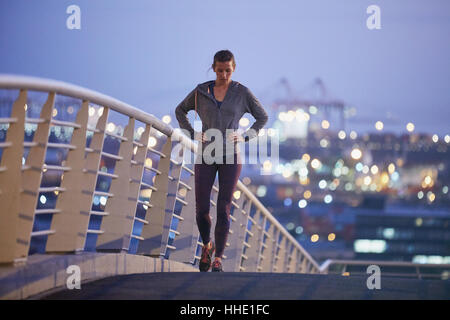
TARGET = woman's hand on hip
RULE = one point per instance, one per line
(235, 137)
(201, 136)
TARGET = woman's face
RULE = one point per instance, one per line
(224, 70)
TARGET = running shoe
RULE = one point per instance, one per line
(217, 266)
(205, 260)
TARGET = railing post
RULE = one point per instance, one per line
(292, 260)
(268, 256)
(31, 179)
(136, 173)
(186, 242)
(68, 222)
(119, 222)
(152, 233)
(275, 236)
(11, 182)
(251, 264)
(172, 198)
(233, 252)
(245, 207)
(92, 163)
(280, 262)
(303, 266)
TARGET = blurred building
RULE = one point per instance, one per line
(403, 234)
(343, 194)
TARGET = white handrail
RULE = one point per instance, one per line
(8, 81)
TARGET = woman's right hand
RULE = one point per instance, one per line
(202, 137)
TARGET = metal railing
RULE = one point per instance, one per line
(81, 171)
(387, 268)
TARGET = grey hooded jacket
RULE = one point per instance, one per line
(238, 101)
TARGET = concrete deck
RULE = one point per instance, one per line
(253, 286)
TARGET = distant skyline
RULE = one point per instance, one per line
(151, 54)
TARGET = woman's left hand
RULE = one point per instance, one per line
(236, 137)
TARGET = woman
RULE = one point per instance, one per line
(220, 105)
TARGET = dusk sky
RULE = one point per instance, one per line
(151, 54)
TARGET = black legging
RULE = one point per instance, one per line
(205, 174)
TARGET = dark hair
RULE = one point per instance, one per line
(223, 56)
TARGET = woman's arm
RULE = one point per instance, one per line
(255, 108)
(181, 112)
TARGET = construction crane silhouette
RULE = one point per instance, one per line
(315, 94)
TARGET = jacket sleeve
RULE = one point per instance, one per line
(255, 108)
(182, 110)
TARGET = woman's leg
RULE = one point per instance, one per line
(205, 174)
(228, 178)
